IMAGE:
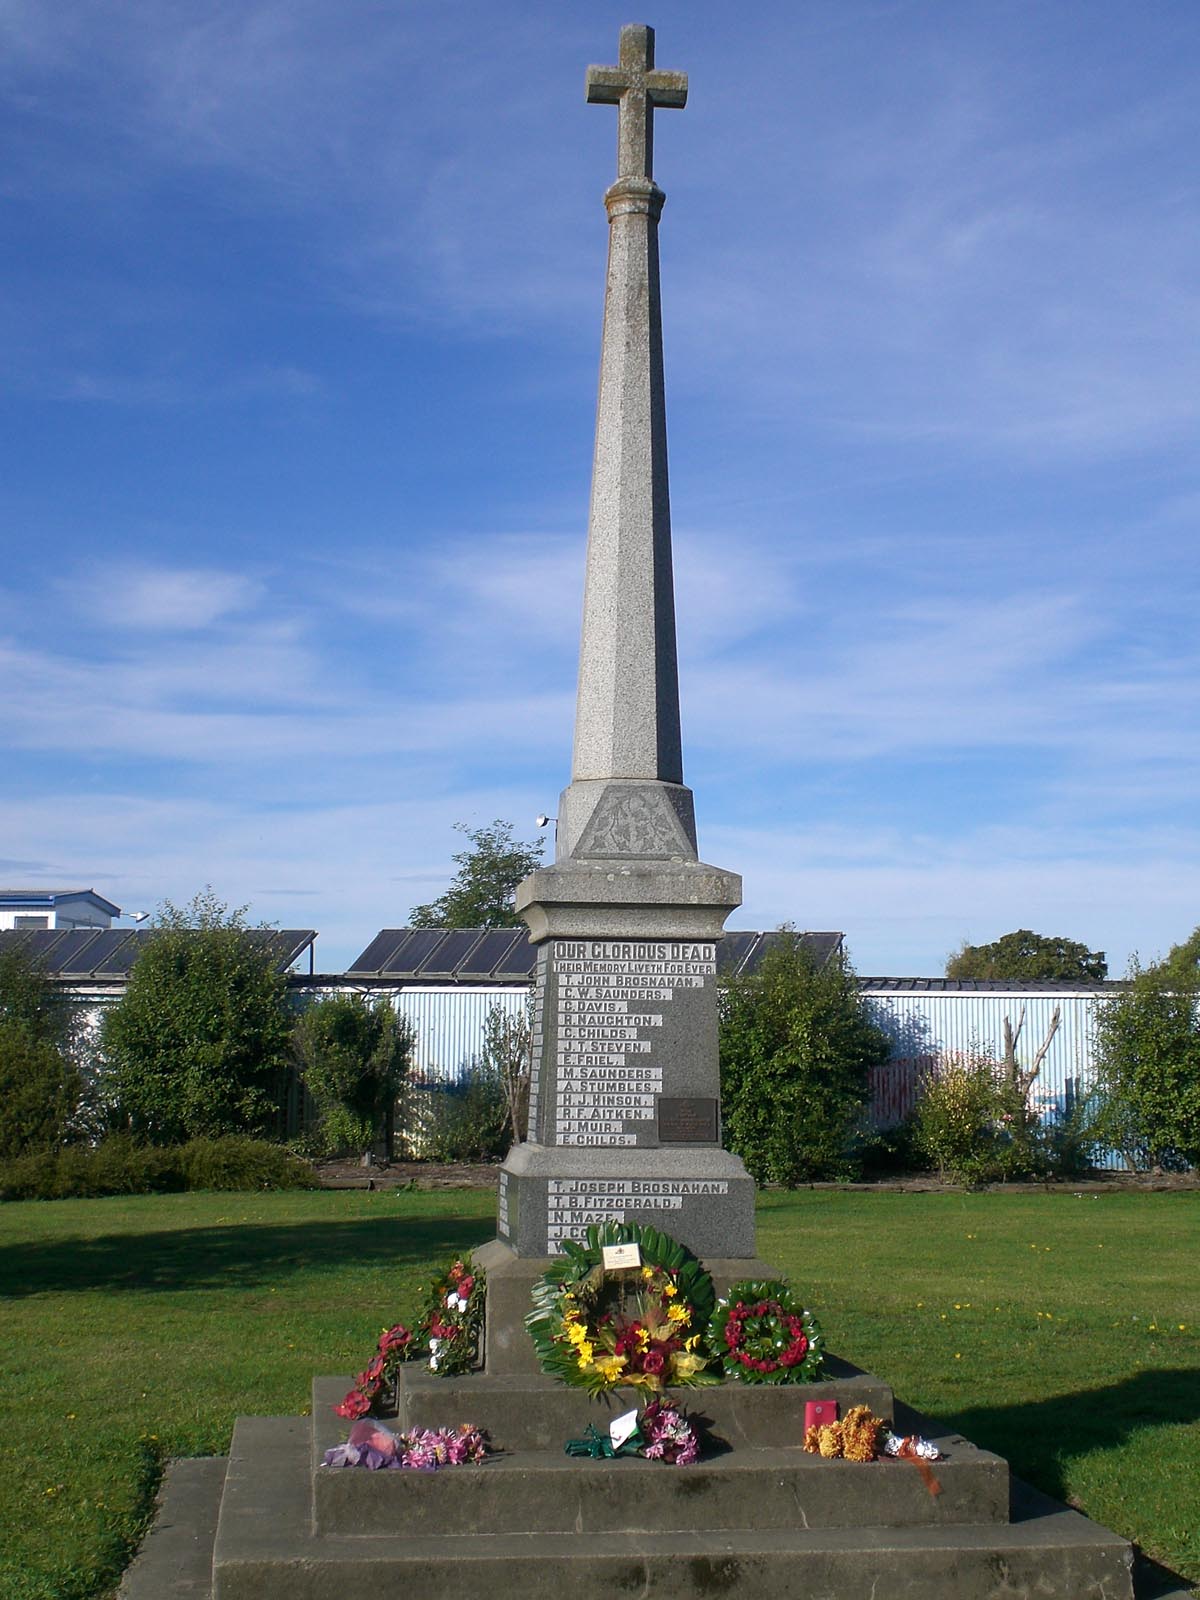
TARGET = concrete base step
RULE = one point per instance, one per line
(539, 1413)
(266, 1549)
(546, 1491)
(175, 1562)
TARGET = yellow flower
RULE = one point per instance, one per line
(647, 1273)
(670, 1290)
(690, 1344)
(586, 1351)
(577, 1333)
(678, 1313)
(610, 1366)
(643, 1337)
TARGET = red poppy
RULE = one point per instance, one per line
(355, 1405)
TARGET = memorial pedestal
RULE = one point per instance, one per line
(624, 1108)
(756, 1516)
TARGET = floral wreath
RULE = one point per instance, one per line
(599, 1328)
(446, 1336)
(395, 1345)
(453, 1320)
(761, 1333)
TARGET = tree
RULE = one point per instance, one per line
(1148, 1068)
(1182, 963)
(508, 1053)
(29, 998)
(481, 895)
(1020, 1080)
(198, 1045)
(797, 1047)
(1027, 957)
(355, 1056)
(40, 1082)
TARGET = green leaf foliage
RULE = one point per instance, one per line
(39, 1091)
(1148, 1068)
(355, 1055)
(1028, 957)
(40, 1083)
(764, 1334)
(32, 1001)
(120, 1166)
(1182, 964)
(797, 1045)
(481, 895)
(465, 1121)
(579, 1263)
(199, 1044)
(969, 1124)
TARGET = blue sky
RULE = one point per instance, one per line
(300, 313)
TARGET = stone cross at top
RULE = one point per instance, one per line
(636, 88)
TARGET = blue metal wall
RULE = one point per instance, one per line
(449, 1024)
(924, 1025)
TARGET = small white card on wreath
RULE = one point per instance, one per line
(621, 1255)
(621, 1427)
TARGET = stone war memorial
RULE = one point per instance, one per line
(622, 1297)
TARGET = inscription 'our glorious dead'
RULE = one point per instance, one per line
(611, 1010)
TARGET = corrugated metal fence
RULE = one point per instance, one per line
(924, 1025)
(449, 1025)
(448, 1019)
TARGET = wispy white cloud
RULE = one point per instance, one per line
(930, 294)
(188, 388)
(937, 264)
(171, 599)
(347, 868)
(907, 901)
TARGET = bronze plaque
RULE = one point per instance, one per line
(689, 1120)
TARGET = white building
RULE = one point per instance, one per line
(55, 908)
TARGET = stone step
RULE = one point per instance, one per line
(175, 1561)
(549, 1492)
(266, 1549)
(539, 1413)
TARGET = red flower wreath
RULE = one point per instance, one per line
(761, 1334)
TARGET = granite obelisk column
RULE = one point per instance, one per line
(625, 1119)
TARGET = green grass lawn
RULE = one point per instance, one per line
(1059, 1331)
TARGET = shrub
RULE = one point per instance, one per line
(1071, 1142)
(974, 1126)
(1148, 1069)
(508, 1054)
(465, 1122)
(197, 1047)
(40, 1082)
(238, 1163)
(28, 997)
(881, 1153)
(954, 1121)
(119, 1166)
(355, 1056)
(39, 1091)
(797, 1045)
